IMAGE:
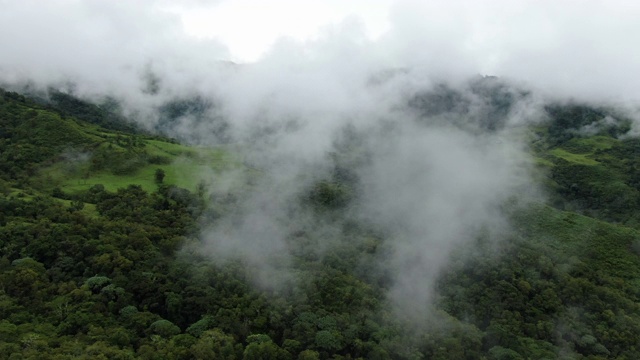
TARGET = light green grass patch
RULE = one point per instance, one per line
(183, 172)
(188, 167)
(163, 148)
(88, 209)
(21, 194)
(214, 157)
(589, 145)
(600, 142)
(539, 161)
(582, 159)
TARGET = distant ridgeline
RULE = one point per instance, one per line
(105, 115)
(594, 167)
(485, 103)
(590, 165)
(196, 114)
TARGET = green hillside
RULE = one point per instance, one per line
(97, 259)
(595, 174)
(46, 149)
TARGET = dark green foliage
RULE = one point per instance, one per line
(486, 104)
(570, 274)
(106, 115)
(196, 329)
(570, 117)
(97, 283)
(567, 121)
(34, 136)
(597, 176)
(330, 195)
(262, 347)
(159, 176)
(164, 328)
(159, 160)
(30, 135)
(214, 344)
(442, 100)
(198, 111)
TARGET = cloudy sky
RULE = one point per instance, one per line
(584, 48)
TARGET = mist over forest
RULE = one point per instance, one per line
(464, 184)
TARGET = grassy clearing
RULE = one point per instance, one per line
(602, 245)
(578, 150)
(582, 159)
(213, 157)
(590, 144)
(181, 173)
(26, 195)
(88, 209)
(30, 194)
(539, 161)
(163, 148)
(186, 168)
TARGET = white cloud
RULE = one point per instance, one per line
(99, 44)
(250, 27)
(573, 48)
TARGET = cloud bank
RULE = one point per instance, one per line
(580, 49)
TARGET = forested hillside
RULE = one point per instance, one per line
(100, 228)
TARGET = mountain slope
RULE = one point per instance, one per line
(98, 258)
(45, 148)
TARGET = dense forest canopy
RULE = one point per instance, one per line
(109, 251)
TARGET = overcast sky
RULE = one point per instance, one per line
(583, 48)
